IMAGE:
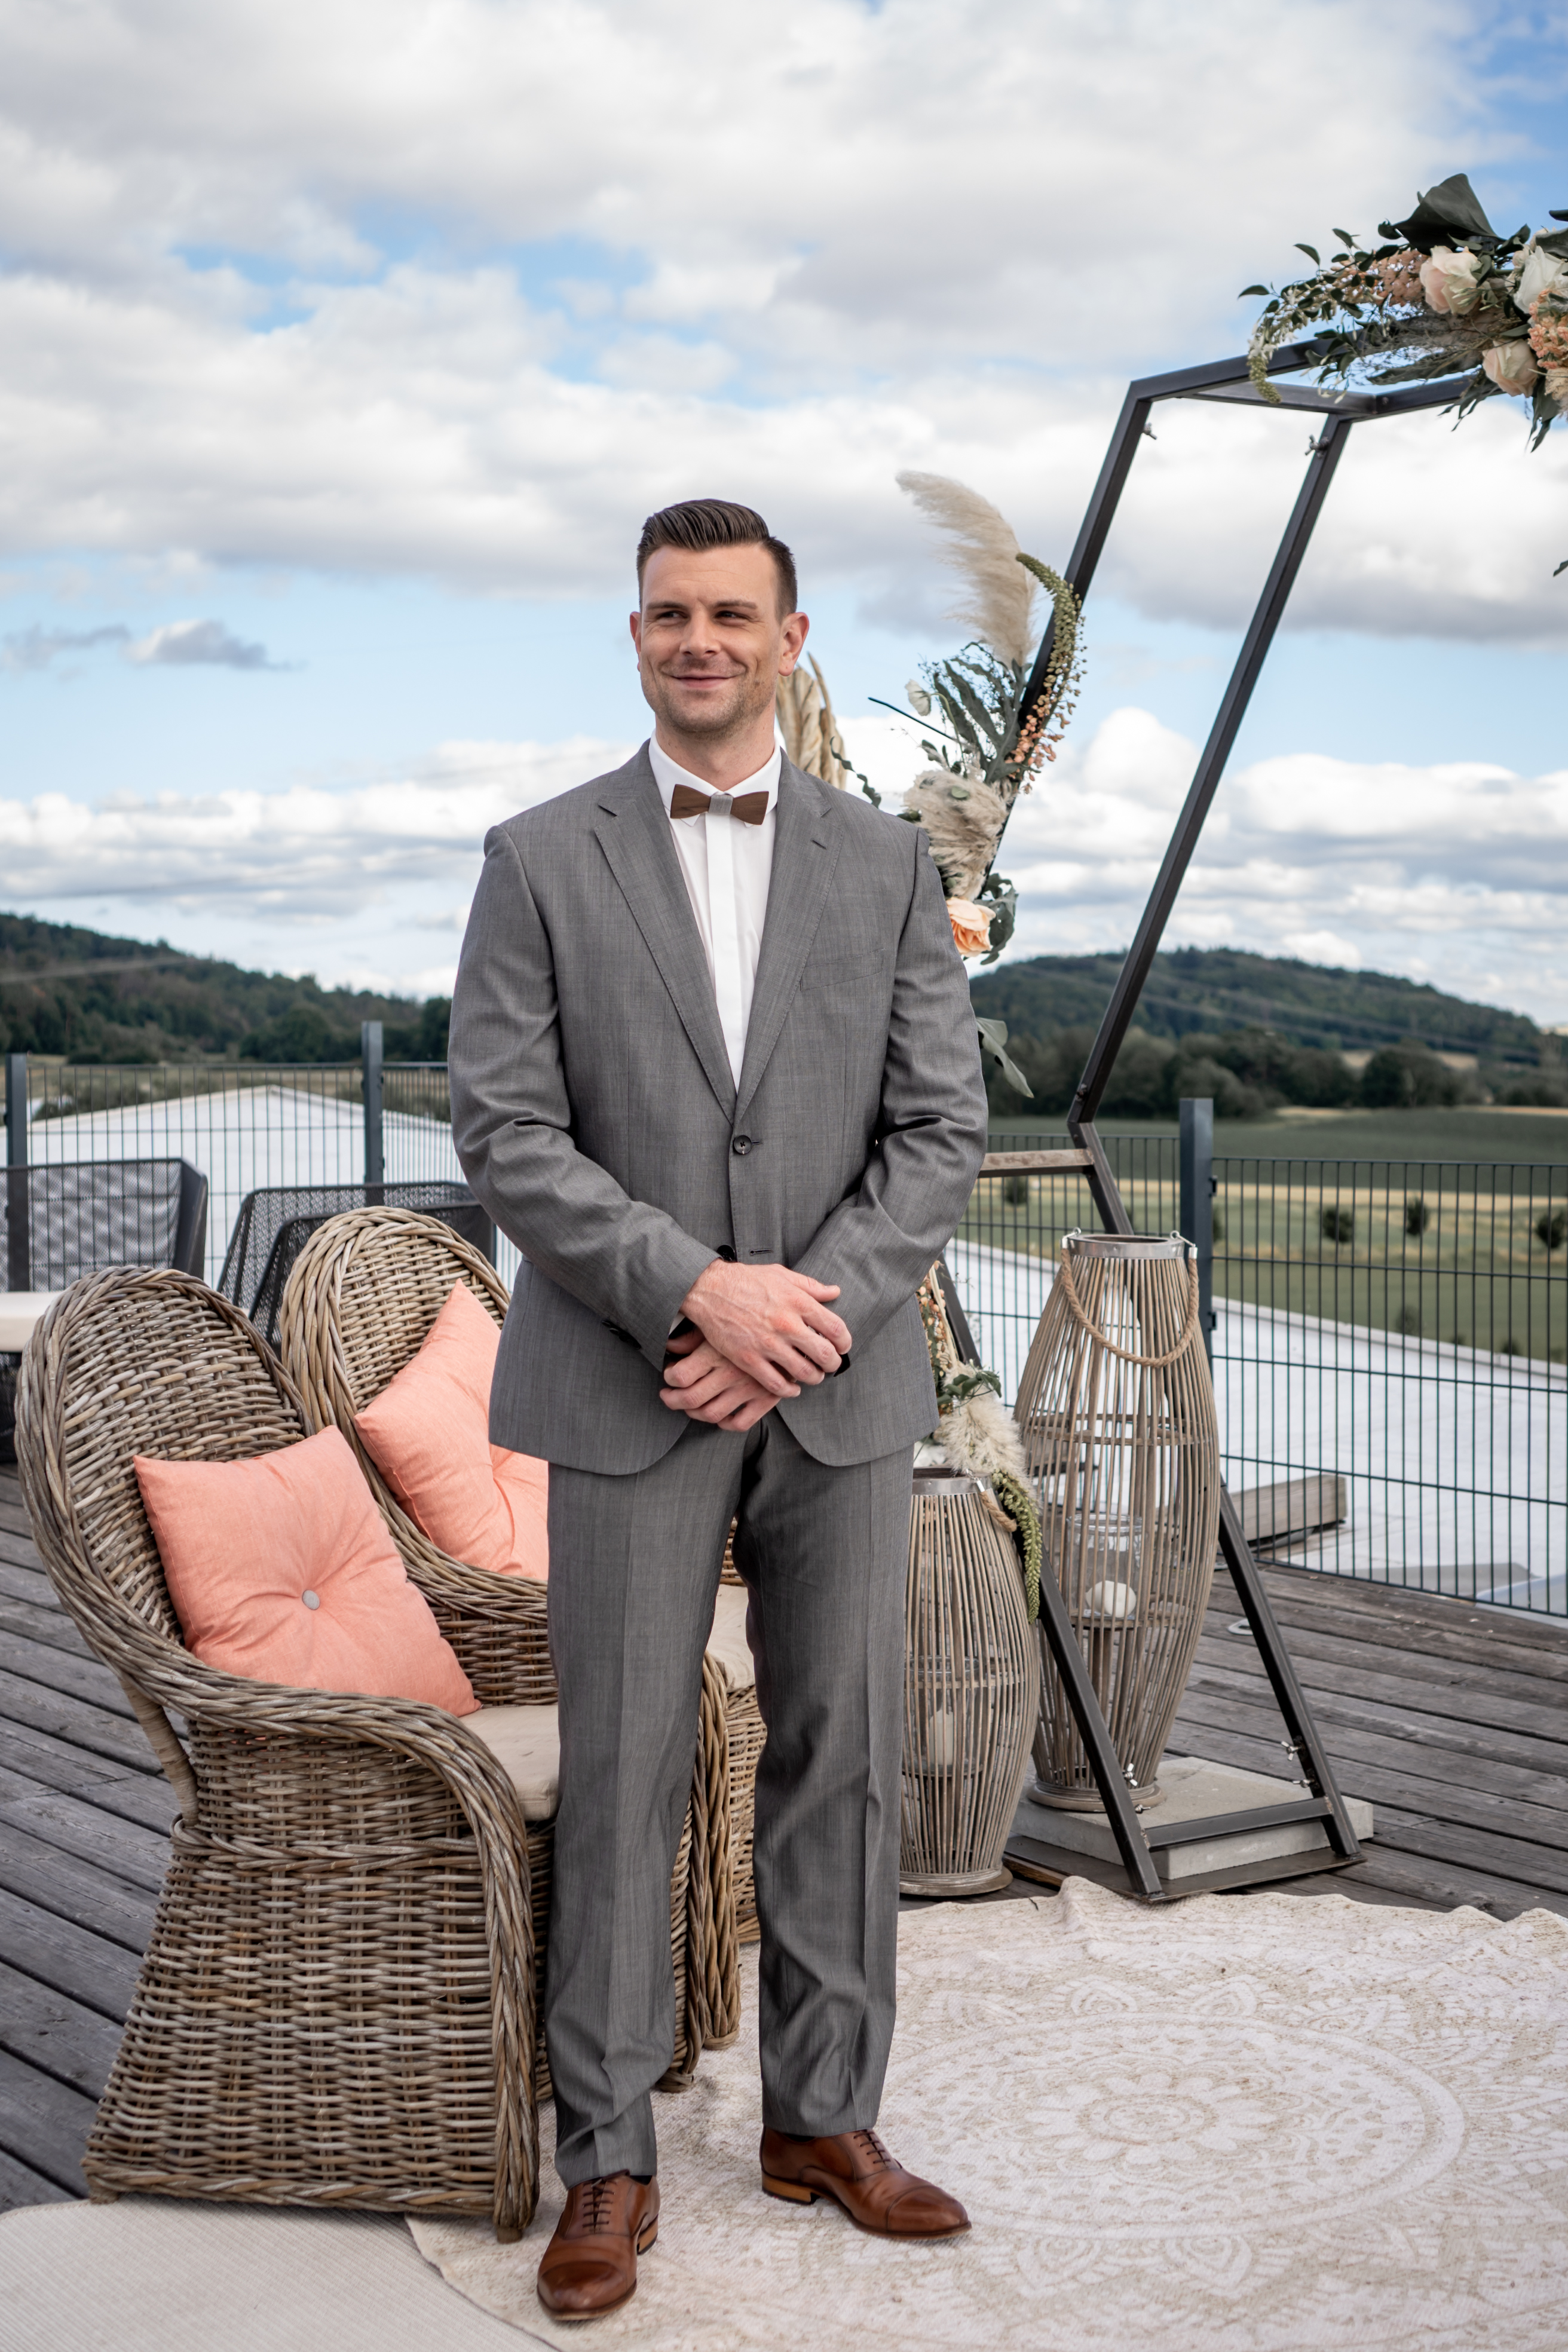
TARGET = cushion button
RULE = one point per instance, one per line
(741, 1146)
(311, 1599)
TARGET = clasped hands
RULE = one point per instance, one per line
(762, 1332)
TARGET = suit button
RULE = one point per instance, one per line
(741, 1146)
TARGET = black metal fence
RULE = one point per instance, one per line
(1389, 1341)
(248, 1126)
(1389, 1337)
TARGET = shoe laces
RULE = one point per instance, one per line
(871, 2146)
(597, 2202)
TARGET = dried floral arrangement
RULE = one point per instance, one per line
(1444, 295)
(978, 1437)
(988, 753)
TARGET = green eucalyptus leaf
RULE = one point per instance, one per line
(1250, 290)
(1311, 253)
(994, 1041)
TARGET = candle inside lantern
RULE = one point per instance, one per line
(1110, 1600)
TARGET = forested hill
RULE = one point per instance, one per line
(1217, 989)
(1254, 1031)
(92, 998)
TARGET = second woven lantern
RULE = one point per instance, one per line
(1116, 1411)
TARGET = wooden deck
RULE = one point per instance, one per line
(1452, 1721)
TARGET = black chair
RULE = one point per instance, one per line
(273, 1226)
(73, 1217)
(60, 1221)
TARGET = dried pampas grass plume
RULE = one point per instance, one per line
(963, 820)
(1000, 599)
(808, 729)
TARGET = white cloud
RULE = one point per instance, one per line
(938, 233)
(1454, 873)
(301, 855)
(180, 644)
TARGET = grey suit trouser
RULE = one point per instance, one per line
(634, 1569)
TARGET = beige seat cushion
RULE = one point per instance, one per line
(726, 1644)
(526, 1742)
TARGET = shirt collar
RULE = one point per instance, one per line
(669, 772)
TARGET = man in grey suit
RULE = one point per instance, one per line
(715, 1072)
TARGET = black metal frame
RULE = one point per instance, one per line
(1223, 380)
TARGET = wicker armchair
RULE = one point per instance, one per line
(337, 2005)
(363, 1293)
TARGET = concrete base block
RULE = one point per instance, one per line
(1051, 1843)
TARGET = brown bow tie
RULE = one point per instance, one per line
(750, 809)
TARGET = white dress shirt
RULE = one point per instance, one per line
(727, 867)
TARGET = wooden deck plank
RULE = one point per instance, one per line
(44, 2122)
(1447, 1621)
(23, 1581)
(123, 1849)
(1241, 1677)
(1353, 1742)
(79, 1677)
(99, 1974)
(45, 2030)
(41, 1622)
(20, 2185)
(75, 1722)
(1443, 1699)
(1418, 1667)
(74, 1890)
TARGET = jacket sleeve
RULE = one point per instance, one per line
(879, 1245)
(511, 1124)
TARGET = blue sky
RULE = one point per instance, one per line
(349, 346)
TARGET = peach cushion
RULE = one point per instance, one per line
(429, 1435)
(281, 1570)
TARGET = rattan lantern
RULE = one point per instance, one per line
(972, 1686)
(1116, 1411)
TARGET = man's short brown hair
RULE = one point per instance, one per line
(698, 523)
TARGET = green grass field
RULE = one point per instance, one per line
(1450, 1225)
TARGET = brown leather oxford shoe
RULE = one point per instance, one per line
(590, 2265)
(872, 2186)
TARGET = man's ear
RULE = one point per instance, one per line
(793, 643)
(635, 623)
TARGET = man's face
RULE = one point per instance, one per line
(711, 643)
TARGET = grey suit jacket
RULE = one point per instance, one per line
(595, 1116)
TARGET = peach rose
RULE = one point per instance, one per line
(1511, 366)
(1448, 280)
(971, 925)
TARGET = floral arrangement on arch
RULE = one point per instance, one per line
(983, 749)
(1444, 296)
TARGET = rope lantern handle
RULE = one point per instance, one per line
(1129, 1355)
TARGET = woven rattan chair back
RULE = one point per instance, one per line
(360, 1303)
(350, 1874)
(154, 1364)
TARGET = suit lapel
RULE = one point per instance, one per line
(634, 832)
(805, 855)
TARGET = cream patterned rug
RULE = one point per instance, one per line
(1266, 2125)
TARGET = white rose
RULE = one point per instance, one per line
(1449, 279)
(1511, 366)
(1542, 273)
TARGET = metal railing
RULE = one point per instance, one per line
(248, 1126)
(1388, 1343)
(1388, 1335)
